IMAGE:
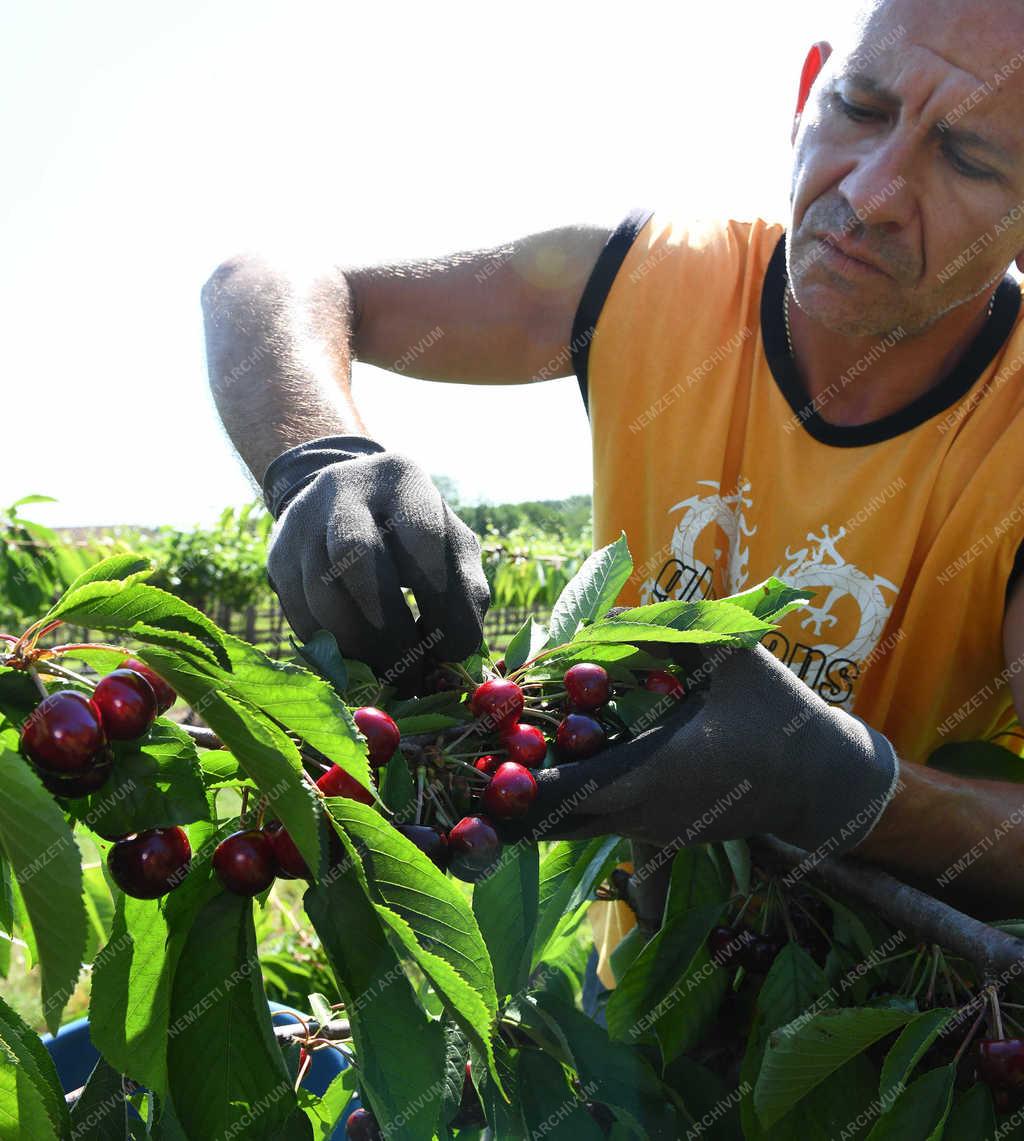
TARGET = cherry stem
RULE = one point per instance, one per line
(930, 993)
(421, 774)
(245, 805)
(33, 673)
(8, 638)
(543, 716)
(70, 647)
(970, 1034)
(55, 670)
(46, 629)
(997, 1017)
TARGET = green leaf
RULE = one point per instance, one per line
(568, 874)
(324, 1112)
(505, 905)
(666, 990)
(132, 975)
(551, 1108)
(678, 622)
(908, 1049)
(101, 1113)
(41, 849)
(322, 654)
(797, 1060)
(270, 757)
(34, 1059)
(973, 1117)
(155, 783)
(977, 760)
(26, 499)
(591, 592)
(737, 852)
(147, 613)
(22, 1107)
(397, 788)
(118, 568)
(616, 1072)
(400, 1050)
(527, 642)
(771, 600)
(402, 878)
(295, 698)
(224, 1066)
(920, 1111)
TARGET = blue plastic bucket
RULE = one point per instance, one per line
(74, 1055)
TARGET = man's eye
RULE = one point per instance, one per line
(852, 111)
(968, 170)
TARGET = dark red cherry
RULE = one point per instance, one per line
(511, 792)
(486, 764)
(245, 863)
(432, 843)
(668, 685)
(165, 696)
(92, 780)
(1001, 1062)
(498, 703)
(290, 863)
(470, 1114)
(64, 735)
(337, 782)
(127, 705)
(525, 744)
(148, 865)
(362, 1126)
(381, 733)
(474, 848)
(579, 737)
(587, 685)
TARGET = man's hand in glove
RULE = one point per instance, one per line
(356, 523)
(750, 750)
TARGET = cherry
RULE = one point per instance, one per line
(337, 782)
(587, 685)
(432, 843)
(1001, 1062)
(525, 744)
(362, 1126)
(64, 734)
(72, 787)
(668, 685)
(499, 666)
(511, 791)
(291, 865)
(726, 942)
(127, 705)
(758, 954)
(470, 1114)
(381, 733)
(474, 847)
(245, 862)
(147, 865)
(498, 702)
(579, 736)
(486, 764)
(165, 696)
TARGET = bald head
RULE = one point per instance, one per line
(911, 149)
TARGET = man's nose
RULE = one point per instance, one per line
(877, 186)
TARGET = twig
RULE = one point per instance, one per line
(991, 950)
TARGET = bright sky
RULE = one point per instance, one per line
(144, 143)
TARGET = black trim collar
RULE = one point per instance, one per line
(946, 393)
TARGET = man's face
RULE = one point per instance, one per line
(911, 151)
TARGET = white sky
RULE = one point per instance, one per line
(143, 143)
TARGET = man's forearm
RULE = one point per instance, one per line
(961, 840)
(278, 352)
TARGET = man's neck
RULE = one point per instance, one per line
(854, 381)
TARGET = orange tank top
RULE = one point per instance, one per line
(709, 456)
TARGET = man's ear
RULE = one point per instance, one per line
(815, 61)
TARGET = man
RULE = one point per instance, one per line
(834, 400)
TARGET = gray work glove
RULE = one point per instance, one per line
(356, 523)
(750, 750)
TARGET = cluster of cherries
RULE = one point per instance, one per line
(67, 737)
(1000, 1065)
(742, 947)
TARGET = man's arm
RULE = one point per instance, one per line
(281, 341)
(956, 838)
